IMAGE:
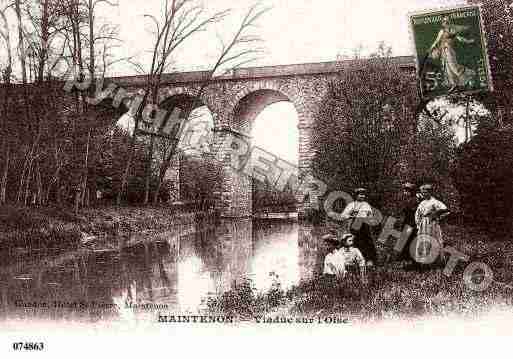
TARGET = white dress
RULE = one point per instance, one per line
(336, 261)
(427, 226)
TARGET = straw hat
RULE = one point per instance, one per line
(426, 187)
(360, 190)
(337, 240)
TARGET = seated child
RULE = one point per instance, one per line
(341, 255)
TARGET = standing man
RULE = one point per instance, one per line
(356, 214)
(409, 207)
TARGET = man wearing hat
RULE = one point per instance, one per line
(361, 210)
(409, 204)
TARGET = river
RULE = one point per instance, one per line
(177, 273)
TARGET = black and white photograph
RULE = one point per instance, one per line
(172, 168)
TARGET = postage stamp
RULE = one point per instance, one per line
(451, 52)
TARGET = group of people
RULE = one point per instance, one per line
(352, 244)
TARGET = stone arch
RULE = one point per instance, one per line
(269, 87)
(167, 93)
(241, 111)
(168, 99)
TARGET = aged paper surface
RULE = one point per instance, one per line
(297, 177)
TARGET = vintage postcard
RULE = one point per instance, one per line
(177, 173)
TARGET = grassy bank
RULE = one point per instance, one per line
(28, 229)
(394, 290)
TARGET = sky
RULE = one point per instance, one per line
(293, 31)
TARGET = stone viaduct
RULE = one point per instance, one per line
(238, 97)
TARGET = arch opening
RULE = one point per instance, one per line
(197, 171)
(197, 132)
(271, 120)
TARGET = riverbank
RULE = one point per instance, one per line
(28, 229)
(394, 289)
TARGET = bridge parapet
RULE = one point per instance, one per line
(248, 73)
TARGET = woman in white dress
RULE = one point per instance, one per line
(456, 74)
(427, 218)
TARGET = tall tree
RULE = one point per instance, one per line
(179, 21)
(498, 21)
(21, 44)
(6, 73)
(368, 120)
(370, 132)
(241, 49)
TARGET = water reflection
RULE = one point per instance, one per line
(275, 251)
(175, 272)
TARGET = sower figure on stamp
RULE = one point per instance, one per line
(356, 215)
(427, 217)
(444, 47)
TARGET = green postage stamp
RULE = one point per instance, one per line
(451, 53)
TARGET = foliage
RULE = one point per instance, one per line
(436, 151)
(52, 141)
(369, 133)
(200, 176)
(391, 293)
(498, 21)
(482, 171)
(267, 197)
(483, 174)
(55, 147)
(244, 301)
